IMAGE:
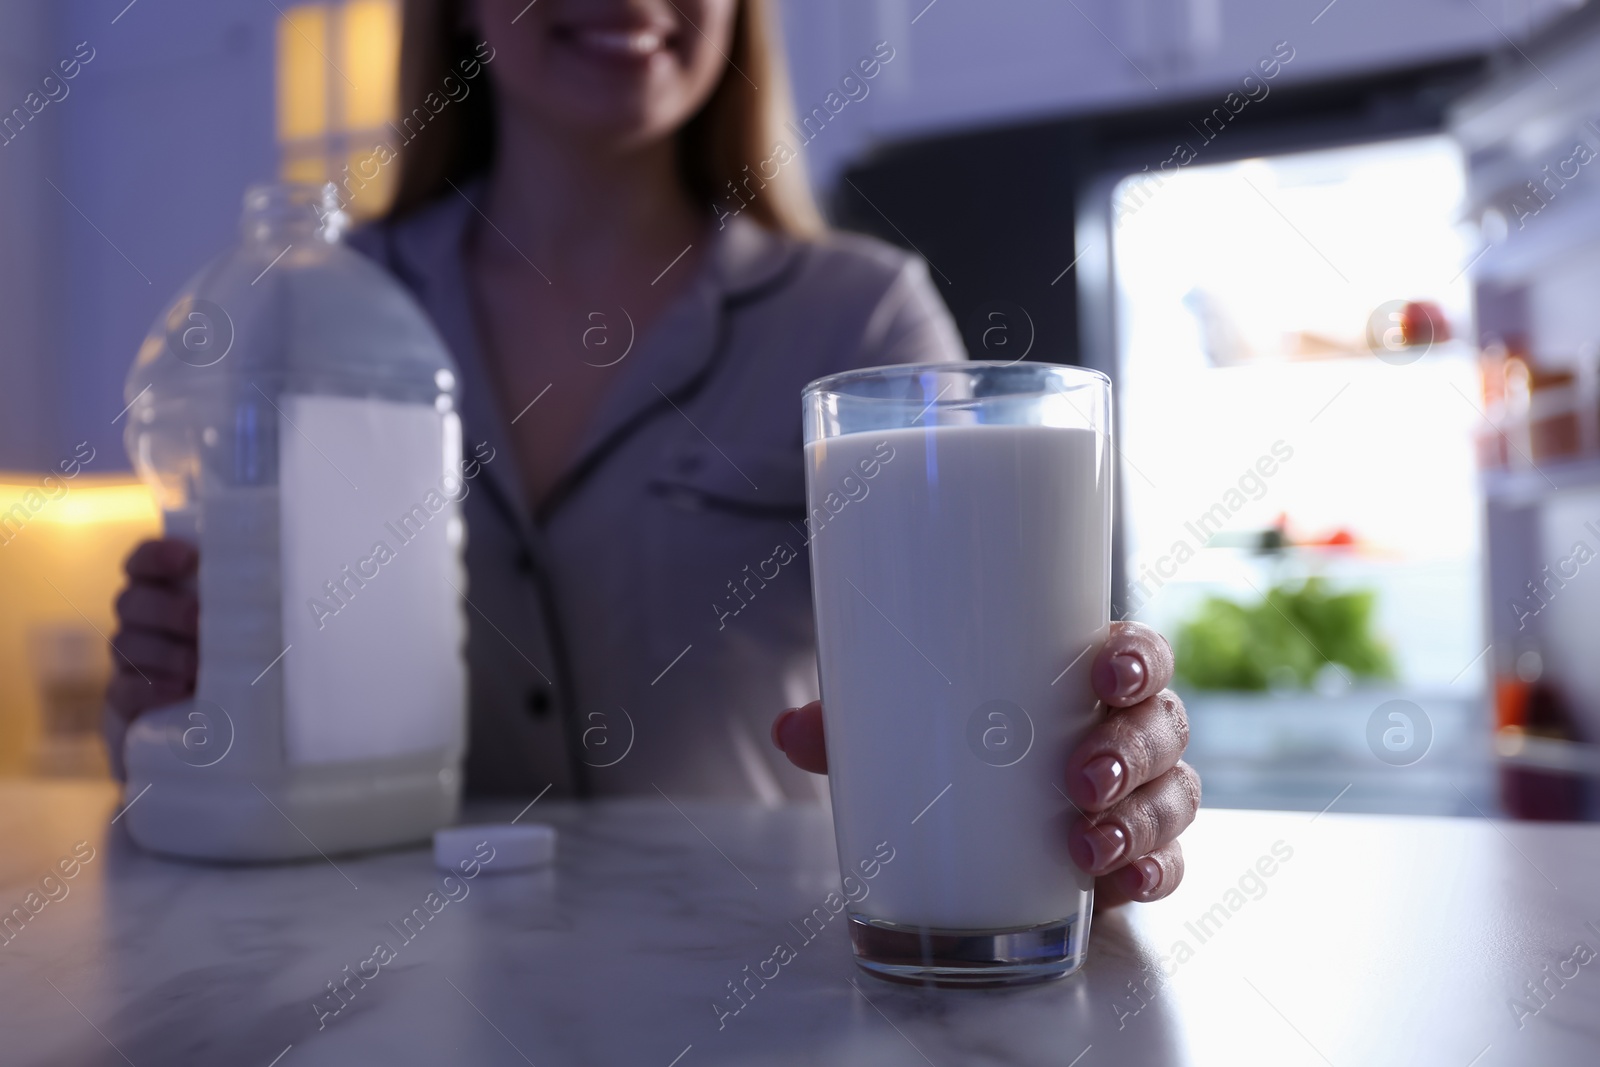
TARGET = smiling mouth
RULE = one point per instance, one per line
(628, 44)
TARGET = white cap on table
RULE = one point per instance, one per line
(496, 846)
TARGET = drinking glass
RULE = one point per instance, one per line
(959, 523)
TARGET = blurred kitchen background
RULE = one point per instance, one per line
(1341, 259)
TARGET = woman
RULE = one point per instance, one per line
(633, 331)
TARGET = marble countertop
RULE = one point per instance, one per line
(1374, 940)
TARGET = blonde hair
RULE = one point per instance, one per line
(739, 126)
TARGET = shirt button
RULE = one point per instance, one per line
(538, 701)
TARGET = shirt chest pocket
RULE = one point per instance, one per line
(726, 546)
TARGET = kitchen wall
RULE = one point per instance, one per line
(149, 150)
(28, 263)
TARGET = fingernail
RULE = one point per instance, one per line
(1104, 775)
(1149, 874)
(1129, 672)
(780, 728)
(1107, 842)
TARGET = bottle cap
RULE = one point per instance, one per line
(496, 847)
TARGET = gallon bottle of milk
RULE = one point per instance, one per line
(295, 414)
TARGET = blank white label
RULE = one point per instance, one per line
(370, 542)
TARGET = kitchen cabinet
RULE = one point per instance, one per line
(961, 64)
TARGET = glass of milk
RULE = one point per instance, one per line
(959, 518)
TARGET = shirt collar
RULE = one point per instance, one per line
(674, 357)
(744, 255)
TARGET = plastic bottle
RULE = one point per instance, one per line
(294, 412)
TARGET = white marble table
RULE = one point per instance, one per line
(1378, 941)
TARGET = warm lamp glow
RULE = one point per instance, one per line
(312, 170)
(338, 77)
(303, 73)
(62, 543)
(370, 45)
(104, 501)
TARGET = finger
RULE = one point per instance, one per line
(1150, 818)
(154, 653)
(148, 606)
(166, 560)
(1148, 878)
(798, 732)
(1134, 664)
(129, 695)
(1123, 751)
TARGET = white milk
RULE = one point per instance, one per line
(294, 409)
(329, 710)
(371, 534)
(954, 567)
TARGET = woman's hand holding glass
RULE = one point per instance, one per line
(1133, 793)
